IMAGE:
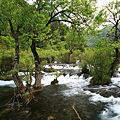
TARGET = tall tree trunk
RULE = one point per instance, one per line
(21, 89)
(117, 52)
(37, 60)
(17, 80)
(15, 34)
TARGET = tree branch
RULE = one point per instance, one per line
(11, 28)
(62, 21)
(73, 107)
(52, 17)
(111, 22)
(114, 17)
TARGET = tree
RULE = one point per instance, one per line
(56, 11)
(11, 22)
(77, 14)
(75, 40)
(34, 27)
(37, 33)
(100, 62)
(107, 54)
(113, 12)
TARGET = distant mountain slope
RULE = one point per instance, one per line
(105, 32)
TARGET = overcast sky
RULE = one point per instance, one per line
(103, 2)
(100, 2)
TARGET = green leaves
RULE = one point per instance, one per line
(6, 42)
(101, 62)
(75, 39)
(100, 18)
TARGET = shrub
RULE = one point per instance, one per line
(6, 64)
(101, 62)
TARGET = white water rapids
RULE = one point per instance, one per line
(76, 85)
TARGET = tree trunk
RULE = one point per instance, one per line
(117, 52)
(15, 34)
(38, 77)
(69, 56)
(22, 91)
(115, 62)
(18, 82)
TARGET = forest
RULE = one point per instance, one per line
(33, 35)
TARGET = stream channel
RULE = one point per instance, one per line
(55, 102)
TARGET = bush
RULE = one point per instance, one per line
(6, 64)
(101, 62)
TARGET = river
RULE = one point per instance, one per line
(77, 85)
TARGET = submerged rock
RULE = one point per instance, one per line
(55, 81)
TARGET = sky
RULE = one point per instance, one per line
(100, 2)
(103, 2)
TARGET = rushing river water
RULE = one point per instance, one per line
(79, 85)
